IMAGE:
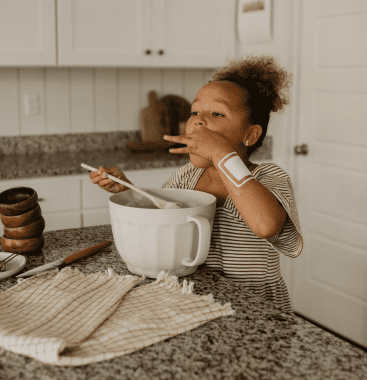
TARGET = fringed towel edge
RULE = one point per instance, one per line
(171, 282)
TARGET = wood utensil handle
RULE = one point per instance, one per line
(86, 252)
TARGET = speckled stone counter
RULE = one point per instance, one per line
(68, 163)
(56, 155)
(258, 342)
(52, 155)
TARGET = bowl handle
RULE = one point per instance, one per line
(204, 244)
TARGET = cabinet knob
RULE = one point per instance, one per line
(160, 52)
(147, 52)
(301, 149)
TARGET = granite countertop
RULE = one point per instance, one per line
(53, 155)
(68, 163)
(258, 342)
(62, 154)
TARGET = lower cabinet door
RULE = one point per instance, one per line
(96, 217)
(62, 220)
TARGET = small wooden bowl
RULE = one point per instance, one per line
(22, 246)
(16, 221)
(26, 232)
(17, 200)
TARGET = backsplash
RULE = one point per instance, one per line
(37, 101)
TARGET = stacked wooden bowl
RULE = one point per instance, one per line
(22, 220)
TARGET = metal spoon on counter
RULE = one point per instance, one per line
(160, 203)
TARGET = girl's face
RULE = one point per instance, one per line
(219, 106)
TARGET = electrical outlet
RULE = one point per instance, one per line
(31, 104)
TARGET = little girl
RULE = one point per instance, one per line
(256, 216)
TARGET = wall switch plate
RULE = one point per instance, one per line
(31, 104)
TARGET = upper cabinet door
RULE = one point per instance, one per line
(27, 33)
(104, 32)
(145, 33)
(193, 33)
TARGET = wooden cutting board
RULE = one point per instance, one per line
(173, 109)
(151, 129)
(161, 118)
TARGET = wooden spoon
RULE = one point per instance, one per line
(160, 203)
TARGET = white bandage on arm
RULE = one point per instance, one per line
(235, 169)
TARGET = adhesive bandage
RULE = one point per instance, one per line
(235, 169)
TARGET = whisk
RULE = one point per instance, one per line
(4, 262)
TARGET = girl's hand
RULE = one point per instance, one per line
(97, 177)
(203, 142)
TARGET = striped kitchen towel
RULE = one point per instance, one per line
(68, 318)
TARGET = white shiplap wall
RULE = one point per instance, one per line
(78, 100)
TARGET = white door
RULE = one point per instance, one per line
(331, 273)
(193, 33)
(27, 33)
(104, 32)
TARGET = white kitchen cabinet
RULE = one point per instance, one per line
(122, 33)
(74, 201)
(96, 217)
(27, 33)
(192, 33)
(63, 220)
(104, 32)
(145, 33)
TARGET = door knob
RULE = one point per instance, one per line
(147, 52)
(160, 52)
(301, 149)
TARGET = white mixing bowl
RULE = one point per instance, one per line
(151, 240)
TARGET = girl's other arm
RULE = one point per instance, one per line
(257, 205)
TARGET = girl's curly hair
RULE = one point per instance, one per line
(266, 86)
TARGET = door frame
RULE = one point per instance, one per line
(291, 130)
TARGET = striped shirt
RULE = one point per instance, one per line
(235, 250)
